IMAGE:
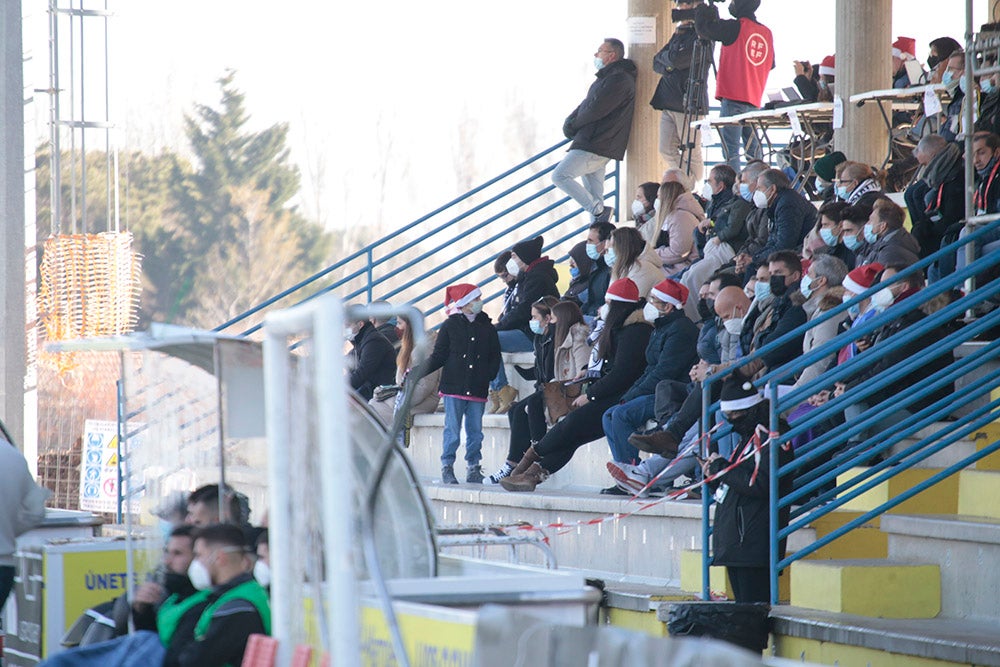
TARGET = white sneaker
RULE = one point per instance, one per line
(628, 477)
(502, 473)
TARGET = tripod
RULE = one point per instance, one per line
(701, 59)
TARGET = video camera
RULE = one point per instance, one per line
(678, 15)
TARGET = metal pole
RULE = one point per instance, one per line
(217, 367)
(706, 499)
(121, 434)
(967, 120)
(772, 491)
(55, 159)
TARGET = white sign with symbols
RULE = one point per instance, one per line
(99, 466)
(642, 30)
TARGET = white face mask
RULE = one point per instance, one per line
(734, 326)
(199, 575)
(512, 267)
(656, 205)
(602, 312)
(262, 573)
(637, 208)
(759, 199)
(706, 191)
(349, 333)
(882, 299)
(650, 312)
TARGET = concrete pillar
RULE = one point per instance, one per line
(642, 161)
(13, 166)
(864, 62)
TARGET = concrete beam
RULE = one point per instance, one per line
(642, 162)
(864, 62)
(13, 167)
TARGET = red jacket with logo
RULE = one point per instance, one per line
(745, 64)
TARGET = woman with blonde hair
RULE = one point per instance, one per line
(679, 214)
(627, 258)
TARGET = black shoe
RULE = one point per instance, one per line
(614, 491)
(448, 475)
(474, 475)
(604, 215)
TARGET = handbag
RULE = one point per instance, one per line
(559, 399)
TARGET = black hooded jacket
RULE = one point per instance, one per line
(374, 361)
(673, 64)
(603, 121)
(538, 280)
(469, 352)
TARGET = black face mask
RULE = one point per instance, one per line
(932, 61)
(177, 583)
(706, 308)
(778, 285)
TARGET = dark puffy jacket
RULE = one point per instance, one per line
(729, 213)
(673, 64)
(597, 287)
(538, 280)
(603, 121)
(740, 531)
(374, 361)
(469, 352)
(625, 359)
(784, 316)
(545, 359)
(791, 217)
(670, 354)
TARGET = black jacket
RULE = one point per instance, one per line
(374, 361)
(942, 181)
(545, 359)
(784, 316)
(670, 354)
(538, 280)
(740, 535)
(231, 627)
(625, 359)
(389, 331)
(790, 216)
(597, 287)
(729, 213)
(469, 352)
(603, 121)
(673, 64)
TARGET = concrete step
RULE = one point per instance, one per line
(828, 638)
(634, 606)
(979, 494)
(967, 350)
(965, 548)
(941, 498)
(865, 541)
(867, 587)
(948, 456)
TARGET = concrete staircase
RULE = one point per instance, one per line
(897, 590)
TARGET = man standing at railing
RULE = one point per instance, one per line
(745, 61)
(599, 128)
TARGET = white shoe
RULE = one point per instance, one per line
(628, 477)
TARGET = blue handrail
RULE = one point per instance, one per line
(521, 203)
(822, 476)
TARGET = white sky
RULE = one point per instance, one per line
(373, 87)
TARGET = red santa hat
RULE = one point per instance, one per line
(623, 289)
(863, 277)
(905, 48)
(456, 296)
(828, 67)
(672, 292)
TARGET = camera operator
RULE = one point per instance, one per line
(746, 59)
(678, 98)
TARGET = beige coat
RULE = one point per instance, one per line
(573, 356)
(679, 224)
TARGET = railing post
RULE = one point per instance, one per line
(371, 277)
(618, 187)
(772, 491)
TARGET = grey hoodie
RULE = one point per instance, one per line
(22, 500)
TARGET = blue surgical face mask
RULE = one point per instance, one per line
(610, 257)
(986, 85)
(842, 192)
(592, 252)
(745, 192)
(948, 77)
(870, 235)
(574, 272)
(536, 327)
(806, 286)
(598, 63)
(851, 241)
(828, 235)
(761, 290)
(855, 310)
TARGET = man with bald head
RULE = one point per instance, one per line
(731, 306)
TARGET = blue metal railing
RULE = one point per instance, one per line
(848, 445)
(495, 215)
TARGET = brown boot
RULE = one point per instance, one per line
(526, 481)
(663, 443)
(506, 396)
(530, 456)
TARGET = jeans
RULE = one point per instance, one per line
(621, 421)
(512, 340)
(672, 135)
(588, 166)
(455, 410)
(733, 134)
